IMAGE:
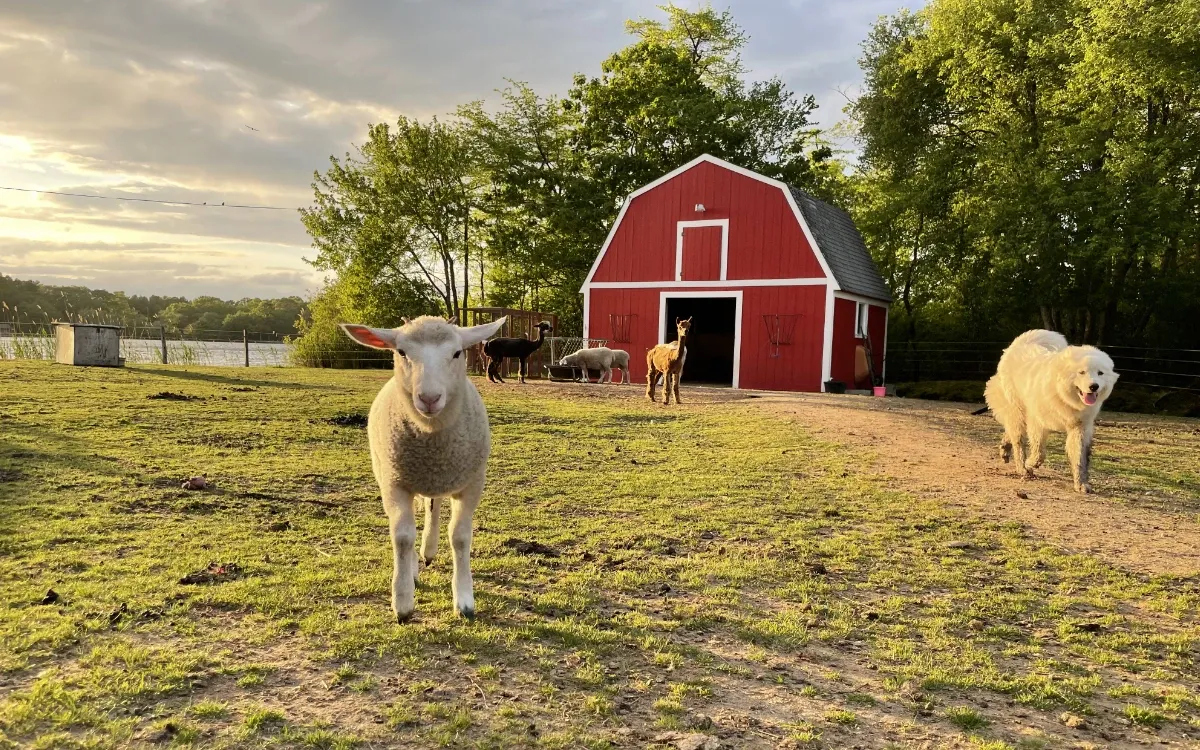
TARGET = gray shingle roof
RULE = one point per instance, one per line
(843, 247)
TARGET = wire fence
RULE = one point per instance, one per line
(912, 362)
(907, 362)
(152, 344)
(161, 345)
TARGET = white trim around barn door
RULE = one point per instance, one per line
(737, 323)
(682, 225)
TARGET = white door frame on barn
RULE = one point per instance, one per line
(737, 322)
(682, 225)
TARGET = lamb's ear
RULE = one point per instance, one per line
(376, 338)
(475, 334)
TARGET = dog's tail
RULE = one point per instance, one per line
(978, 412)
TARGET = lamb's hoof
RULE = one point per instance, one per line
(1084, 488)
(467, 613)
(1006, 452)
(1028, 474)
(427, 560)
(403, 618)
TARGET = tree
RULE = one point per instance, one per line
(399, 214)
(1036, 164)
(533, 187)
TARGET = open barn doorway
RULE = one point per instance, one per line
(712, 344)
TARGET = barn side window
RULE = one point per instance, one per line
(622, 327)
(861, 311)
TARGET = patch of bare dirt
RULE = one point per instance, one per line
(935, 448)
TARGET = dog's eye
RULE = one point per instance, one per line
(1083, 372)
(458, 354)
(1100, 373)
(401, 353)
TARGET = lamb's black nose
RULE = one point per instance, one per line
(1094, 387)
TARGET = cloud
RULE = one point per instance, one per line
(219, 100)
(147, 268)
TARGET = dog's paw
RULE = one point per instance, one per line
(1083, 487)
(1028, 474)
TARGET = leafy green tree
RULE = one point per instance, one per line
(1035, 164)
(400, 212)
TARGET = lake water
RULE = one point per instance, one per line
(215, 353)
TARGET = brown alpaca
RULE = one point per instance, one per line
(667, 359)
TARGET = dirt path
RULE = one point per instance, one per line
(939, 448)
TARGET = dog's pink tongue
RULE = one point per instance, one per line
(1089, 398)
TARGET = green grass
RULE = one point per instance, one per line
(966, 719)
(683, 581)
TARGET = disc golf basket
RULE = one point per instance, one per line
(622, 326)
(780, 329)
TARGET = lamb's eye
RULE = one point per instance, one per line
(458, 354)
(1083, 372)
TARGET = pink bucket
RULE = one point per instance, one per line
(880, 391)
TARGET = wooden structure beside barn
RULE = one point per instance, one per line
(780, 286)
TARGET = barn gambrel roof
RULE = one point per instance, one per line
(843, 247)
(836, 241)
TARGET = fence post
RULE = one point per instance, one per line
(246, 344)
(162, 338)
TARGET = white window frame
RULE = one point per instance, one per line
(737, 323)
(682, 225)
(862, 319)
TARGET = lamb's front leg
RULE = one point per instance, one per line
(429, 535)
(398, 504)
(462, 511)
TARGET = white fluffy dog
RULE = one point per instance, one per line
(1043, 385)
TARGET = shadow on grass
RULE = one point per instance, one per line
(227, 380)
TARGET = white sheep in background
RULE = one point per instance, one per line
(620, 360)
(429, 437)
(599, 358)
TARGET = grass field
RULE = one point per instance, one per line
(709, 570)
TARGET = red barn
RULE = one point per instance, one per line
(781, 289)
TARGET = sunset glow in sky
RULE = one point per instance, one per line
(217, 100)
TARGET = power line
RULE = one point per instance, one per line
(150, 200)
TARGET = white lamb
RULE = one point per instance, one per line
(429, 437)
(599, 358)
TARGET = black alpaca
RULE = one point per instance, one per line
(497, 350)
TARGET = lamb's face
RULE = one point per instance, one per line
(1091, 377)
(430, 359)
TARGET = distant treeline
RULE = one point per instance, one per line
(34, 302)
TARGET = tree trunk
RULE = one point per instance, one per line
(1115, 290)
(466, 294)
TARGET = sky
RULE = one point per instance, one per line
(236, 101)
